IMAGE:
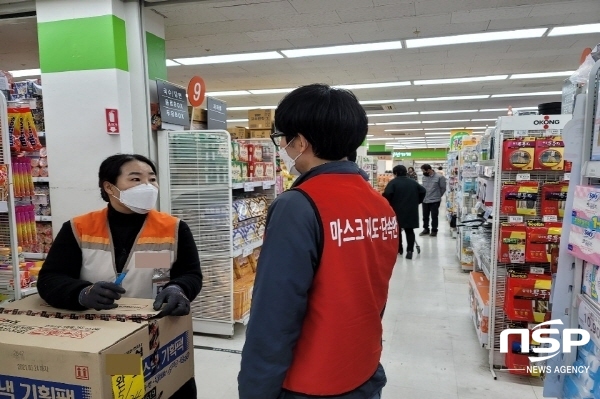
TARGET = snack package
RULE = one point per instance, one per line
(269, 171)
(241, 266)
(519, 198)
(253, 258)
(549, 153)
(4, 182)
(512, 245)
(255, 152)
(527, 296)
(542, 238)
(256, 171)
(554, 197)
(519, 154)
(13, 129)
(244, 152)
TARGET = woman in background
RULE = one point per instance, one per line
(412, 174)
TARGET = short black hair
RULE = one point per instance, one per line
(426, 166)
(400, 170)
(332, 120)
(440, 168)
(110, 169)
(352, 156)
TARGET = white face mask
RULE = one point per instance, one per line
(140, 199)
(290, 163)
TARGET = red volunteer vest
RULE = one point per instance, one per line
(340, 344)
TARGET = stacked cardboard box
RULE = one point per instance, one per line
(260, 122)
(244, 268)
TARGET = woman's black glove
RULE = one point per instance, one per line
(177, 303)
(101, 296)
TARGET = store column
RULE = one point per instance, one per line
(95, 56)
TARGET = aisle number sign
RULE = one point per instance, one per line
(457, 137)
(196, 91)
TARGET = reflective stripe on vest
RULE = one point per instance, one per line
(339, 347)
(157, 235)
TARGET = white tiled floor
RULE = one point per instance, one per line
(430, 350)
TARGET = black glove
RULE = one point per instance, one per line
(101, 295)
(177, 303)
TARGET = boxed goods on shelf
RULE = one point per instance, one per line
(261, 119)
(479, 298)
(519, 154)
(584, 237)
(76, 357)
(543, 238)
(549, 153)
(239, 132)
(512, 243)
(527, 296)
(242, 266)
(259, 134)
(591, 280)
(554, 197)
(520, 198)
(242, 296)
(517, 362)
(485, 191)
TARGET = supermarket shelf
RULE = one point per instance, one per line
(43, 218)
(252, 184)
(28, 291)
(489, 162)
(41, 179)
(592, 169)
(34, 256)
(3, 207)
(244, 320)
(248, 248)
(41, 134)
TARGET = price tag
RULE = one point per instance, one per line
(523, 176)
(521, 133)
(266, 185)
(247, 252)
(567, 177)
(515, 219)
(550, 218)
(536, 270)
(248, 186)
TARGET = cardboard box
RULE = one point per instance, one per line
(542, 239)
(259, 134)
(66, 354)
(519, 154)
(479, 295)
(549, 153)
(261, 119)
(239, 132)
(527, 296)
(554, 198)
(519, 198)
(242, 296)
(199, 115)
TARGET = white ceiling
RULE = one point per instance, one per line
(239, 26)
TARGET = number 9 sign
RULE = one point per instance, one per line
(196, 91)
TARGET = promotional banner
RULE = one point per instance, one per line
(456, 138)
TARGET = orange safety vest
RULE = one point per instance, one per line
(150, 259)
(340, 346)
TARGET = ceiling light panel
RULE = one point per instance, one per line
(226, 58)
(25, 72)
(402, 130)
(373, 85)
(438, 134)
(476, 38)
(392, 114)
(484, 120)
(249, 108)
(448, 121)
(345, 49)
(171, 63)
(455, 98)
(398, 123)
(460, 111)
(236, 120)
(271, 91)
(400, 100)
(540, 93)
(574, 30)
(227, 93)
(460, 80)
(541, 75)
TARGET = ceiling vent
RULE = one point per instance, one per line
(379, 107)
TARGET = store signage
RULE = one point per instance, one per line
(216, 113)
(524, 123)
(540, 335)
(196, 91)
(402, 154)
(112, 121)
(457, 137)
(173, 104)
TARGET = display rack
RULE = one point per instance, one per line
(510, 128)
(573, 307)
(196, 186)
(9, 277)
(465, 200)
(452, 189)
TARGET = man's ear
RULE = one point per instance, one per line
(304, 144)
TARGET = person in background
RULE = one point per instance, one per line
(81, 272)
(440, 171)
(412, 174)
(405, 195)
(315, 329)
(435, 184)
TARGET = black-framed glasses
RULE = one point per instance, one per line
(276, 138)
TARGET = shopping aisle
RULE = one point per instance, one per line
(430, 350)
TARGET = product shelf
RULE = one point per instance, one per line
(34, 255)
(251, 185)
(39, 218)
(41, 179)
(247, 249)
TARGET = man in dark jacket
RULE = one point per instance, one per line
(404, 195)
(323, 275)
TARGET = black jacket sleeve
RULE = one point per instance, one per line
(388, 193)
(185, 272)
(422, 193)
(284, 277)
(58, 282)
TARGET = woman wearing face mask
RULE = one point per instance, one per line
(80, 271)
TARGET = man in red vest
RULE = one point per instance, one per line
(330, 246)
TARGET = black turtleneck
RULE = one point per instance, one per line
(59, 283)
